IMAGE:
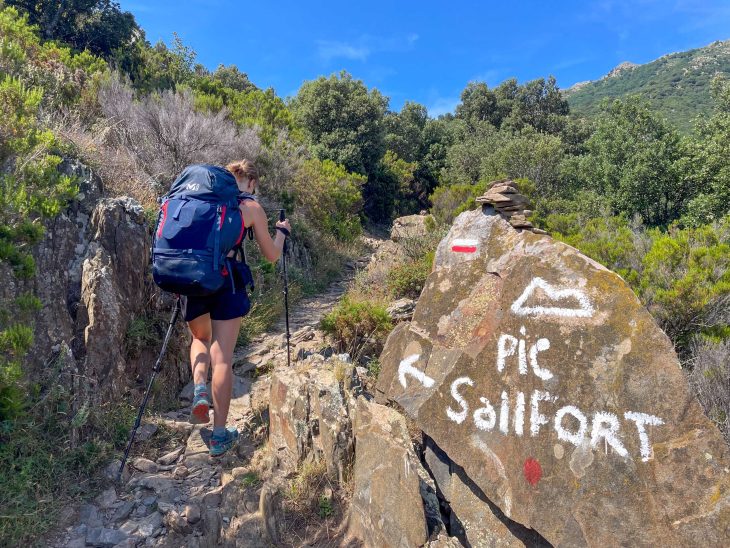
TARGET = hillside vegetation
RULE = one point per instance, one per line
(676, 85)
(626, 187)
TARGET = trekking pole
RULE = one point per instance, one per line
(155, 370)
(282, 216)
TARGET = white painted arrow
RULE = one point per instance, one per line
(406, 368)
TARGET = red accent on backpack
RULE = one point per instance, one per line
(164, 217)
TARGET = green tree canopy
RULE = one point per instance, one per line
(634, 159)
(710, 160)
(538, 104)
(97, 25)
(343, 121)
(231, 77)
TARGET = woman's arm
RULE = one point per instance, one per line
(256, 217)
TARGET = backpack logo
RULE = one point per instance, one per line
(194, 187)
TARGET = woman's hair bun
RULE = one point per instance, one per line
(243, 168)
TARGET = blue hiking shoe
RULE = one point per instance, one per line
(218, 446)
(199, 414)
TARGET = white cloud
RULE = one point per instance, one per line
(442, 105)
(364, 46)
(329, 50)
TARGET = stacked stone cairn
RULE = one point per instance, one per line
(504, 196)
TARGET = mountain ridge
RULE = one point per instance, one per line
(676, 84)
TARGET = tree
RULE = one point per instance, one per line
(404, 131)
(479, 104)
(231, 77)
(471, 145)
(634, 159)
(417, 148)
(165, 68)
(710, 160)
(538, 104)
(97, 25)
(343, 121)
(531, 155)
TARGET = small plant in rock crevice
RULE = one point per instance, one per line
(359, 327)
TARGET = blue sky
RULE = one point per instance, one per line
(428, 51)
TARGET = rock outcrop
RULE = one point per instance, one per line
(92, 279)
(539, 375)
(310, 412)
(410, 226)
(387, 508)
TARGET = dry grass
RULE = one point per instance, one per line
(312, 509)
(710, 380)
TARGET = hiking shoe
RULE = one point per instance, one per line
(201, 406)
(219, 446)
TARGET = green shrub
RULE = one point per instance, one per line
(374, 368)
(357, 324)
(686, 282)
(61, 73)
(329, 198)
(49, 456)
(682, 276)
(610, 241)
(449, 201)
(142, 332)
(408, 279)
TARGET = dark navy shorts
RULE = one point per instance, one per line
(222, 305)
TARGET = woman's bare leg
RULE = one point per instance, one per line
(225, 334)
(202, 332)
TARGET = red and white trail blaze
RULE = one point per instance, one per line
(461, 245)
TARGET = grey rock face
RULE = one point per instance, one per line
(92, 277)
(538, 372)
(309, 412)
(99, 536)
(387, 509)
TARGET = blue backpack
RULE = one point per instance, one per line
(198, 224)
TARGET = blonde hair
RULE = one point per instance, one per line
(244, 168)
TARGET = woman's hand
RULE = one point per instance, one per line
(285, 226)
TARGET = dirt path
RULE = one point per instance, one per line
(179, 495)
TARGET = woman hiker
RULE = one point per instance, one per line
(214, 321)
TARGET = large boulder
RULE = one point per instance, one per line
(539, 373)
(387, 508)
(410, 226)
(310, 413)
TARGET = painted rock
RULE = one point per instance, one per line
(538, 371)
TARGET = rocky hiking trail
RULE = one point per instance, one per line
(613, 449)
(177, 495)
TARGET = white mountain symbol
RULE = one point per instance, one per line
(585, 309)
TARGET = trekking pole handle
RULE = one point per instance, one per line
(282, 217)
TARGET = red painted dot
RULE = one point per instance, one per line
(532, 471)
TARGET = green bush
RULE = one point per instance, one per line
(49, 456)
(449, 201)
(686, 282)
(355, 324)
(608, 240)
(682, 276)
(61, 73)
(408, 279)
(329, 198)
